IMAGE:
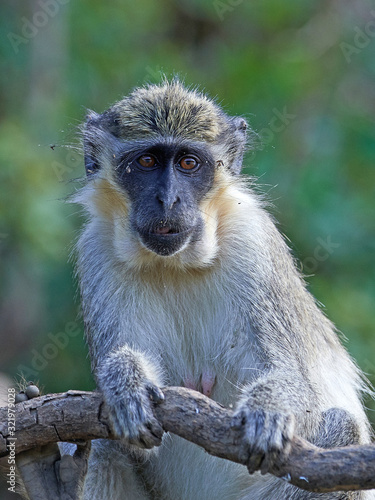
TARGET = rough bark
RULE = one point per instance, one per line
(82, 416)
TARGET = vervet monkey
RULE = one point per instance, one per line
(185, 280)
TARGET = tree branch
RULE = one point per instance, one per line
(78, 415)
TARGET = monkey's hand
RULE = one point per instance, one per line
(129, 384)
(267, 432)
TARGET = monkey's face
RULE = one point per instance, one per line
(159, 162)
(165, 182)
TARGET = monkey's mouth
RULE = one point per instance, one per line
(166, 230)
(165, 240)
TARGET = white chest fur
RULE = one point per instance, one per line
(192, 332)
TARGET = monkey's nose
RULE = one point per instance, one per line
(168, 201)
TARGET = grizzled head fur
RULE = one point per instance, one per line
(169, 110)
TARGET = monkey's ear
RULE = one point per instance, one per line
(99, 137)
(91, 142)
(91, 163)
(239, 134)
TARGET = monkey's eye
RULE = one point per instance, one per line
(188, 163)
(147, 161)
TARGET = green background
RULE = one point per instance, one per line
(311, 62)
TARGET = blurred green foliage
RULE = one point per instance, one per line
(283, 65)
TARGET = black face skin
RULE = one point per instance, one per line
(165, 181)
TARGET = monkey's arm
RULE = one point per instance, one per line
(129, 383)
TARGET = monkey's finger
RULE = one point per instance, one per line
(83, 449)
(141, 442)
(255, 461)
(269, 460)
(279, 442)
(117, 428)
(238, 420)
(148, 438)
(256, 422)
(156, 429)
(275, 456)
(149, 441)
(289, 428)
(155, 393)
